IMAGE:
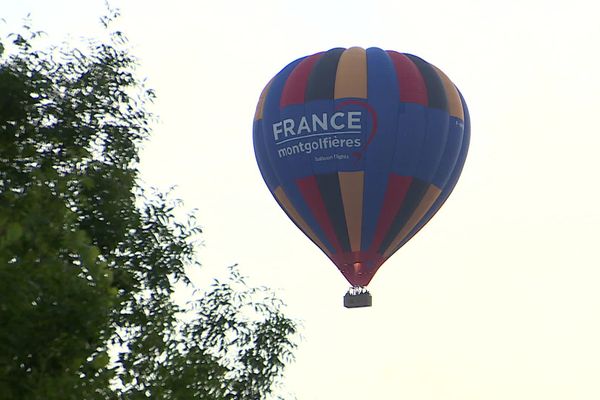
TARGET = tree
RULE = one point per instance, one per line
(89, 258)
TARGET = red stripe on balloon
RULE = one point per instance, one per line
(295, 86)
(312, 196)
(410, 81)
(394, 198)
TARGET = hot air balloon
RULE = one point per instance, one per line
(360, 148)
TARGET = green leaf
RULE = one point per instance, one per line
(100, 361)
(14, 231)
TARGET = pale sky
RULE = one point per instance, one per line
(497, 297)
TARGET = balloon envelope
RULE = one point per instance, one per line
(360, 148)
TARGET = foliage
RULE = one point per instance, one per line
(89, 259)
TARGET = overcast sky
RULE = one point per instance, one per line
(497, 298)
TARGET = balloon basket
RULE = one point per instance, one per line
(358, 297)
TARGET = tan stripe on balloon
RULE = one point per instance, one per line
(287, 205)
(260, 107)
(351, 187)
(427, 201)
(455, 107)
(351, 77)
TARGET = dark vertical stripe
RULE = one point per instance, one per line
(435, 87)
(329, 186)
(411, 202)
(429, 198)
(312, 196)
(321, 82)
(454, 104)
